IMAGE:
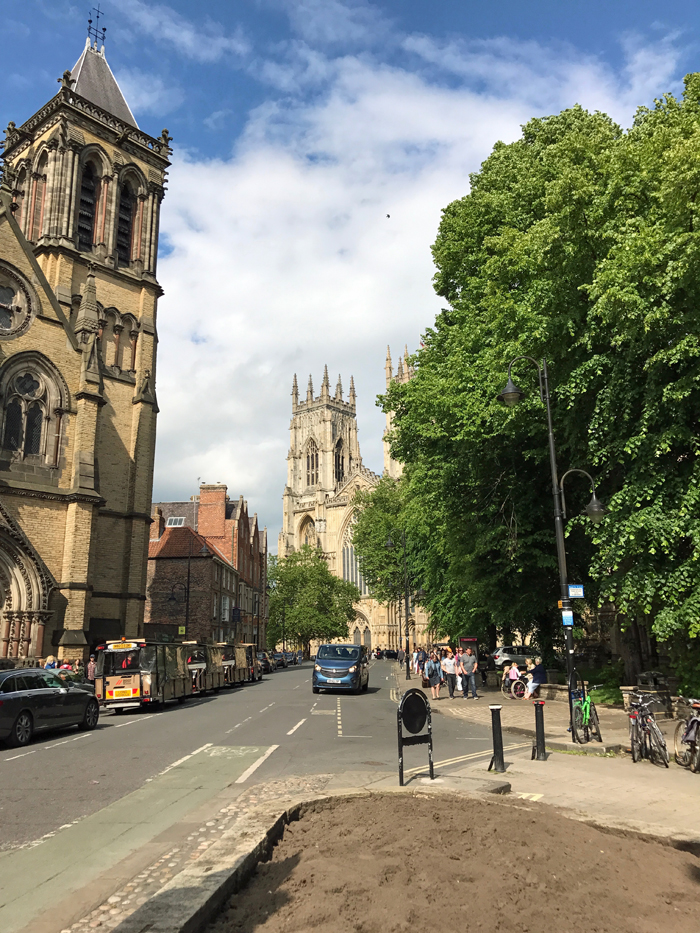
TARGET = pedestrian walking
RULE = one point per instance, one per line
(422, 658)
(400, 655)
(448, 667)
(90, 672)
(414, 660)
(468, 668)
(434, 674)
(50, 663)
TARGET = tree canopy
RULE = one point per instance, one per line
(578, 242)
(306, 601)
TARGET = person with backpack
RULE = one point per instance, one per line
(433, 672)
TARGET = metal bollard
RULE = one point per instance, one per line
(538, 750)
(497, 762)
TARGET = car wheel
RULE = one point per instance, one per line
(314, 689)
(91, 716)
(22, 731)
(181, 699)
(366, 686)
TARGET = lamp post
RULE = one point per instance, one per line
(510, 396)
(390, 545)
(186, 588)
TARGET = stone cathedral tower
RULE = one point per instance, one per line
(79, 209)
(324, 470)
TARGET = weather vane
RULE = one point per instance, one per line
(94, 31)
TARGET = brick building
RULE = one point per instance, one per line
(79, 212)
(191, 588)
(227, 529)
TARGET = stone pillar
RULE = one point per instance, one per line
(5, 634)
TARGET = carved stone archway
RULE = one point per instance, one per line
(25, 588)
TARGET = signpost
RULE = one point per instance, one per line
(413, 713)
(567, 617)
(575, 591)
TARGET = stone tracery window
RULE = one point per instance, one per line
(87, 208)
(311, 463)
(339, 461)
(125, 224)
(34, 406)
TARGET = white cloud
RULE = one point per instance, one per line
(283, 258)
(148, 93)
(207, 43)
(329, 22)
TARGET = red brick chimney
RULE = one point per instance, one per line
(212, 510)
(158, 524)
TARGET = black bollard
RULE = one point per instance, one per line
(538, 749)
(497, 762)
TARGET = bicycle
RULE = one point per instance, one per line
(646, 739)
(584, 720)
(686, 740)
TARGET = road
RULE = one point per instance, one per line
(75, 805)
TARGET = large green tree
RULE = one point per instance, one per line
(306, 601)
(578, 243)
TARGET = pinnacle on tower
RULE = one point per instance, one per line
(339, 390)
(351, 396)
(325, 385)
(295, 392)
(310, 390)
(87, 321)
(399, 371)
(389, 367)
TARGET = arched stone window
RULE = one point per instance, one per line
(357, 636)
(87, 207)
(307, 533)
(339, 461)
(34, 405)
(125, 224)
(351, 566)
(368, 638)
(311, 463)
(37, 197)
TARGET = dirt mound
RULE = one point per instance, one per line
(386, 864)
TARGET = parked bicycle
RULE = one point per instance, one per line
(646, 739)
(585, 722)
(686, 740)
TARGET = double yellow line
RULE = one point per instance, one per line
(455, 761)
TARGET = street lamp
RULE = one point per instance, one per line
(510, 396)
(390, 545)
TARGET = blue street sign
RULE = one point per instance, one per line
(575, 591)
(567, 617)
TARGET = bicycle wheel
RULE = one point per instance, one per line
(518, 689)
(658, 752)
(578, 731)
(635, 740)
(683, 753)
(594, 724)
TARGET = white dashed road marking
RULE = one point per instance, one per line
(256, 764)
(300, 723)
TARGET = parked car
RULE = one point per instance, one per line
(33, 701)
(280, 660)
(290, 657)
(341, 667)
(509, 654)
(266, 664)
(391, 654)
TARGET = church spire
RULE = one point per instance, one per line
(389, 367)
(295, 392)
(310, 390)
(325, 385)
(351, 396)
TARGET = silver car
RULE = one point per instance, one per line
(510, 653)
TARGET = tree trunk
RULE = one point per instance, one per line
(493, 638)
(631, 650)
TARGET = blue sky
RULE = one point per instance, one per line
(298, 126)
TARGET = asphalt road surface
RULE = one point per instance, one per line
(277, 727)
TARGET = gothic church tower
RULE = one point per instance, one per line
(79, 211)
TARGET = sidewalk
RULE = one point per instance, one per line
(518, 718)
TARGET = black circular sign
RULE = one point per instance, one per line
(414, 711)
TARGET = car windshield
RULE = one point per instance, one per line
(338, 653)
(117, 662)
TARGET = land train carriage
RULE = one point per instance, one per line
(137, 673)
(233, 660)
(205, 663)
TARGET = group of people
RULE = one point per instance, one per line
(535, 675)
(76, 667)
(444, 667)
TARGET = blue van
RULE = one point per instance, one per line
(341, 667)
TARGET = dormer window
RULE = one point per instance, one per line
(175, 522)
